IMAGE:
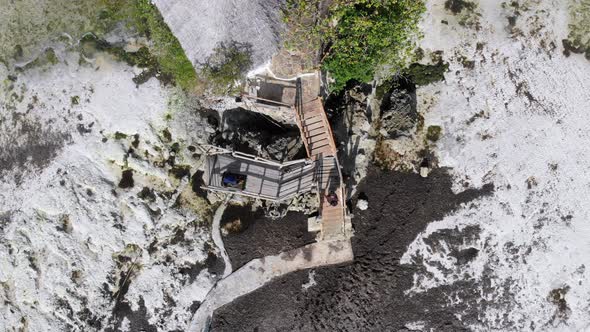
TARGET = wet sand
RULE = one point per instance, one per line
(368, 294)
(259, 236)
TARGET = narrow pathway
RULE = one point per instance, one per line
(216, 234)
(258, 272)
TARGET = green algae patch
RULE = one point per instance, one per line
(433, 133)
(426, 74)
(45, 59)
(578, 40)
(200, 206)
(144, 17)
(142, 58)
(29, 25)
(457, 6)
(120, 135)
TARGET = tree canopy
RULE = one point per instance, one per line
(363, 35)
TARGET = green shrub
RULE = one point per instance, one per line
(433, 133)
(229, 63)
(369, 34)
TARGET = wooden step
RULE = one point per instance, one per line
(331, 214)
(332, 226)
(316, 131)
(318, 138)
(319, 146)
(316, 125)
(311, 120)
(311, 113)
(326, 150)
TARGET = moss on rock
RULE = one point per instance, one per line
(426, 74)
(433, 133)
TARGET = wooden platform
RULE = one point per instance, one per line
(265, 179)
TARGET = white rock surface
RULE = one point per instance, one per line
(50, 274)
(200, 25)
(362, 204)
(518, 119)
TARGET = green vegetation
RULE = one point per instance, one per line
(360, 37)
(426, 74)
(433, 133)
(165, 49)
(578, 40)
(47, 58)
(229, 63)
(120, 135)
(303, 35)
(368, 35)
(75, 100)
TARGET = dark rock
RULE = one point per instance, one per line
(197, 183)
(180, 171)
(147, 194)
(399, 113)
(135, 141)
(257, 134)
(465, 256)
(457, 6)
(252, 235)
(126, 179)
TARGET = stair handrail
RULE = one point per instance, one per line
(299, 114)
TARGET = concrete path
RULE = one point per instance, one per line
(260, 271)
(216, 235)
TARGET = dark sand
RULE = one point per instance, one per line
(260, 236)
(367, 294)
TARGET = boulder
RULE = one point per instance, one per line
(254, 133)
(398, 112)
(362, 204)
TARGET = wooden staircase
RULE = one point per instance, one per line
(329, 180)
(320, 146)
(316, 130)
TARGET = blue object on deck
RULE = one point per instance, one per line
(232, 180)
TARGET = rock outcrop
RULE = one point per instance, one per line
(398, 110)
(254, 133)
(202, 25)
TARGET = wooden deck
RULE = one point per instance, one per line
(265, 179)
